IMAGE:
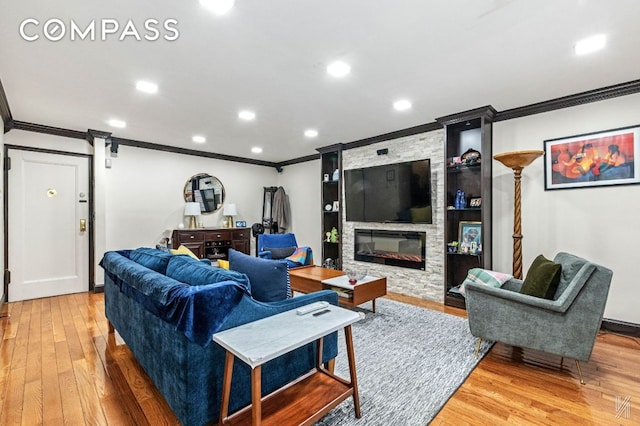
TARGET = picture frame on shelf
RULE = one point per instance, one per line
(241, 224)
(475, 202)
(602, 158)
(336, 206)
(469, 232)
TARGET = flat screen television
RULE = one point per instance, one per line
(399, 192)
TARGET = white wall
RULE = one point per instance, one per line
(145, 194)
(302, 184)
(595, 223)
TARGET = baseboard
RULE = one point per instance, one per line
(621, 327)
(99, 288)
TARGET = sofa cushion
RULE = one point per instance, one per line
(153, 259)
(269, 278)
(485, 277)
(280, 252)
(193, 272)
(542, 278)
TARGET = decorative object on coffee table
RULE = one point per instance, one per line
(517, 160)
(355, 275)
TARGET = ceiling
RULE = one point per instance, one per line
(271, 57)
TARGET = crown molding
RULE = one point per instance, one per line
(595, 95)
(423, 128)
(186, 151)
(487, 112)
(298, 160)
(5, 111)
(49, 130)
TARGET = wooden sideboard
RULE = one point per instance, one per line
(212, 243)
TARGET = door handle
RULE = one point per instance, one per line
(83, 225)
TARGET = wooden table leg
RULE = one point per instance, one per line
(256, 396)
(373, 303)
(226, 387)
(352, 369)
(319, 353)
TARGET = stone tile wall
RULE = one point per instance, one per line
(427, 284)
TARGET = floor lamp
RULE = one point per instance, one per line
(517, 160)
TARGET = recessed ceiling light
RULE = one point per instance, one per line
(117, 123)
(247, 115)
(590, 44)
(311, 133)
(199, 139)
(147, 87)
(338, 69)
(219, 7)
(256, 150)
(402, 105)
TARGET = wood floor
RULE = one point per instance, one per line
(59, 365)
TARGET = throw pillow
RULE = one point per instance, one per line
(184, 250)
(485, 277)
(224, 264)
(280, 252)
(542, 278)
(269, 278)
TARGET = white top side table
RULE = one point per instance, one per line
(367, 289)
(260, 341)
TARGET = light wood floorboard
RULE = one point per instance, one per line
(59, 365)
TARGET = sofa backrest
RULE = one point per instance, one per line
(151, 258)
(193, 272)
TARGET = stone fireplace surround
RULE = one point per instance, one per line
(427, 283)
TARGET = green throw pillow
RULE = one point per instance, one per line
(542, 278)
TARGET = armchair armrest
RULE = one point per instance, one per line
(510, 291)
(513, 296)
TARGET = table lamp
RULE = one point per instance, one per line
(192, 210)
(229, 212)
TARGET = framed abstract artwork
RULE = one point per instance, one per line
(592, 159)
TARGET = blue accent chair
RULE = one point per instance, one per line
(302, 257)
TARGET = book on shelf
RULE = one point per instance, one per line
(343, 292)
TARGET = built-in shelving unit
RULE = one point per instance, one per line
(467, 132)
(331, 195)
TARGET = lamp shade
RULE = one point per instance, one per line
(192, 209)
(230, 210)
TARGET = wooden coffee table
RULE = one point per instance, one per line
(315, 278)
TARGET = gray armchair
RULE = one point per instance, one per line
(566, 326)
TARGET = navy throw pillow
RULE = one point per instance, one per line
(190, 271)
(153, 259)
(269, 278)
(280, 252)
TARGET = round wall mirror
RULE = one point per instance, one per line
(206, 190)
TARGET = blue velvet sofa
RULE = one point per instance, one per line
(166, 308)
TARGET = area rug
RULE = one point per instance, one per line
(409, 362)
